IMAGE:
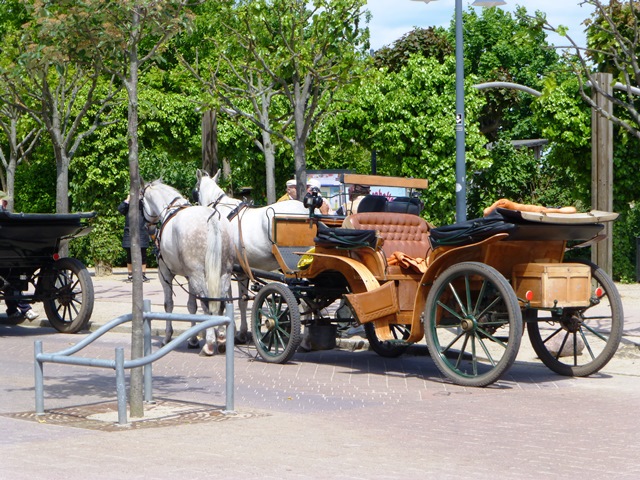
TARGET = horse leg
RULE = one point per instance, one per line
(166, 279)
(192, 307)
(243, 336)
(215, 338)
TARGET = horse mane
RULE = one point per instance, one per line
(159, 182)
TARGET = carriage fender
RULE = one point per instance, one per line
(358, 276)
(370, 301)
(445, 257)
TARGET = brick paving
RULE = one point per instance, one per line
(334, 414)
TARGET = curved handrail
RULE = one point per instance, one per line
(120, 365)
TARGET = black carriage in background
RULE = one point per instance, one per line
(31, 269)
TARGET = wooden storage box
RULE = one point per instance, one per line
(553, 284)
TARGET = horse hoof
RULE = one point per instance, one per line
(243, 338)
(193, 345)
(304, 346)
(166, 341)
(207, 351)
(222, 348)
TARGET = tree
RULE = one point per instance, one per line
(300, 51)
(21, 142)
(428, 42)
(120, 36)
(408, 118)
(502, 47)
(22, 136)
(613, 45)
(51, 79)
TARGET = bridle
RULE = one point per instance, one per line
(167, 212)
(218, 202)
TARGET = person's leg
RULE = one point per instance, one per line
(12, 307)
(143, 251)
(129, 268)
(26, 310)
(17, 308)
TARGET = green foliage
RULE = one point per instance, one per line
(35, 187)
(408, 118)
(503, 47)
(626, 231)
(605, 45)
(428, 42)
(517, 175)
(103, 244)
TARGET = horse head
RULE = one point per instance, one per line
(207, 188)
(158, 199)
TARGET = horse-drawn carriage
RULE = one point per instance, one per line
(469, 290)
(31, 269)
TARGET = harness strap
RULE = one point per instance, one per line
(164, 223)
(242, 254)
(233, 213)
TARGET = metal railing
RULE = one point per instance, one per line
(119, 364)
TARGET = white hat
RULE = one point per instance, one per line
(312, 182)
(291, 183)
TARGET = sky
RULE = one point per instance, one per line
(393, 18)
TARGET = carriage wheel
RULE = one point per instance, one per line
(579, 342)
(69, 295)
(473, 324)
(275, 323)
(386, 348)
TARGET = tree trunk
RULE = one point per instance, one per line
(270, 166)
(210, 162)
(299, 149)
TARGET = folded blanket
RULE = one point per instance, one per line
(509, 205)
(405, 261)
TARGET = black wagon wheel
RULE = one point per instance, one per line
(275, 323)
(580, 341)
(69, 297)
(388, 348)
(473, 324)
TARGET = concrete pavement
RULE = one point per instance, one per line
(333, 414)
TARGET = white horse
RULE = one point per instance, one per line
(194, 242)
(250, 227)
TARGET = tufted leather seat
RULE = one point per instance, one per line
(401, 232)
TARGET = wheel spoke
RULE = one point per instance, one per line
(481, 295)
(459, 302)
(452, 312)
(587, 344)
(596, 333)
(487, 352)
(490, 336)
(462, 350)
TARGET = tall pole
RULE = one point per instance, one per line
(461, 183)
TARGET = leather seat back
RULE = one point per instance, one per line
(401, 232)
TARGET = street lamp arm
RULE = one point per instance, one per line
(621, 86)
(515, 86)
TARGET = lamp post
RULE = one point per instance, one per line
(461, 169)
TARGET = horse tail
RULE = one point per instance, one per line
(218, 265)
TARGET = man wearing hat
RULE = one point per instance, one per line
(292, 193)
(356, 194)
(16, 309)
